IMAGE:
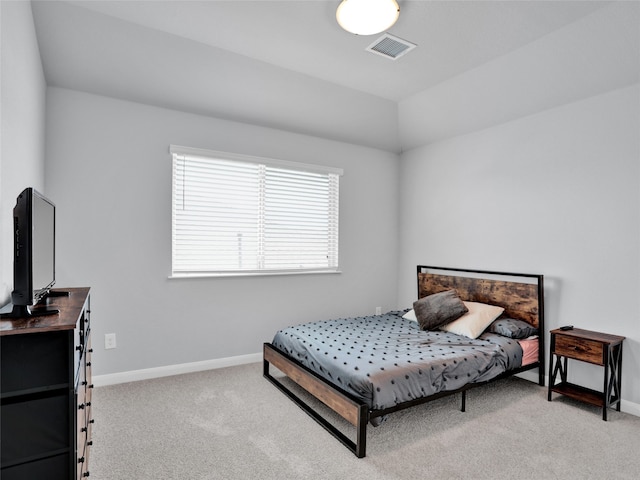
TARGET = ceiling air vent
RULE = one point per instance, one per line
(390, 47)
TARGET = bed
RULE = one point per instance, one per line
(366, 368)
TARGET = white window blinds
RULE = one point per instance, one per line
(235, 214)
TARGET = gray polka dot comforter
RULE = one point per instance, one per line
(385, 359)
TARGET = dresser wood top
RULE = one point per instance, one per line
(70, 309)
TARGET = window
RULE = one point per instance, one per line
(235, 214)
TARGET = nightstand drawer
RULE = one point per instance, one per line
(580, 349)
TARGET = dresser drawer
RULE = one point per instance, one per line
(33, 427)
(579, 348)
(34, 361)
(52, 468)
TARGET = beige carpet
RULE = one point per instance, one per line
(233, 424)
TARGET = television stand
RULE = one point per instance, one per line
(37, 310)
(23, 311)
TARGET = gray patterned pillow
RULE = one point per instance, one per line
(435, 310)
(512, 328)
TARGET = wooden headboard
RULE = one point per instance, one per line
(523, 299)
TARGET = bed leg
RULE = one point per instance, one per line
(361, 435)
(265, 368)
(463, 406)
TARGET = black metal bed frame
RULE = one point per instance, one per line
(357, 412)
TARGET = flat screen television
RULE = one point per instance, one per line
(34, 254)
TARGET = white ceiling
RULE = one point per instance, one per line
(288, 65)
(303, 36)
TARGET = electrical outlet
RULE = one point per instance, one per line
(378, 310)
(109, 341)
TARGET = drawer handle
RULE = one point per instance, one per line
(81, 460)
(90, 386)
(88, 364)
(83, 429)
(85, 474)
(81, 406)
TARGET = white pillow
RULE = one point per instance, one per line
(410, 315)
(475, 321)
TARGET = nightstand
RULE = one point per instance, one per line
(591, 347)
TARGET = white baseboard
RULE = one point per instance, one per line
(166, 371)
(630, 407)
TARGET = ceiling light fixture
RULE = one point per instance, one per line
(367, 17)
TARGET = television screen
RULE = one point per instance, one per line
(42, 245)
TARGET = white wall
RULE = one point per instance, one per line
(109, 172)
(157, 68)
(22, 135)
(594, 55)
(556, 193)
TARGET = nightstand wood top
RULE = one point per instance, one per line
(604, 338)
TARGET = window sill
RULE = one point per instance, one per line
(251, 274)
